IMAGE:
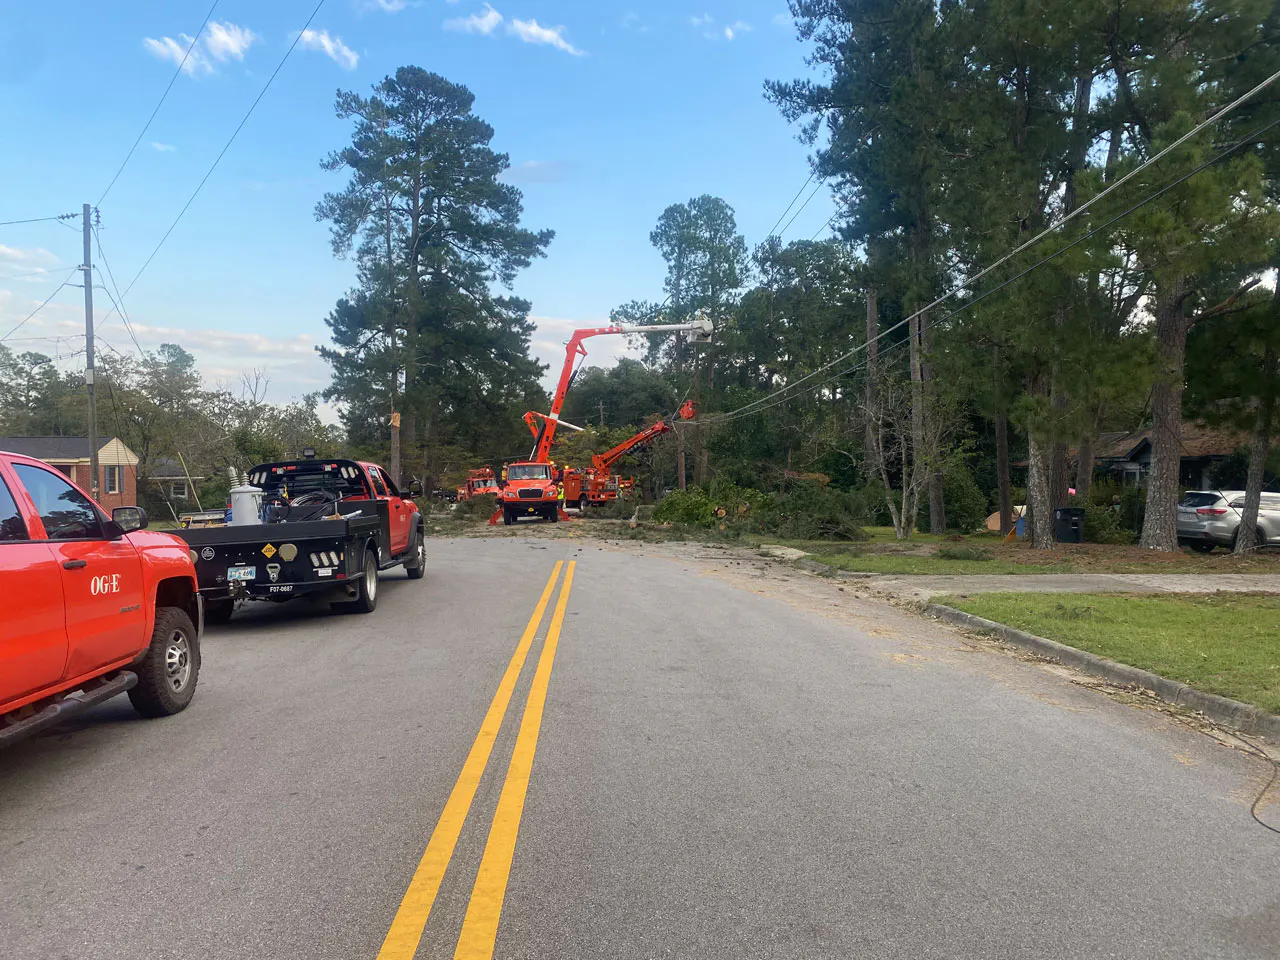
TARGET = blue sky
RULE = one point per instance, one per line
(609, 112)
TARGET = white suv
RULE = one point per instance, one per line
(1210, 518)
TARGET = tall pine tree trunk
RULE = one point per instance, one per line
(1259, 449)
(919, 456)
(1038, 499)
(1004, 481)
(873, 330)
(1160, 527)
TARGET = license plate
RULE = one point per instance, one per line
(242, 573)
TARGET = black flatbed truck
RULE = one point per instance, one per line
(339, 554)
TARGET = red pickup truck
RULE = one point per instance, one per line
(93, 606)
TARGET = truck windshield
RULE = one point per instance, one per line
(343, 478)
(529, 471)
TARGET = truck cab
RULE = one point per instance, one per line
(530, 490)
(95, 605)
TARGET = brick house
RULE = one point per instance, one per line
(117, 465)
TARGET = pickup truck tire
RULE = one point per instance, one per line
(416, 565)
(169, 670)
(219, 611)
(367, 601)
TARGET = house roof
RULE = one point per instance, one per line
(68, 449)
(166, 468)
(1197, 439)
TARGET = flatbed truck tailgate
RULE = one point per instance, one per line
(264, 560)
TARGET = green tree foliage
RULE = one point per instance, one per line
(433, 229)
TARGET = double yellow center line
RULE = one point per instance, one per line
(480, 926)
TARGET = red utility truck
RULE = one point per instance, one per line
(479, 482)
(93, 606)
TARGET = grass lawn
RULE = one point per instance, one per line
(988, 555)
(1221, 643)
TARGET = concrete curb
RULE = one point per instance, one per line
(813, 566)
(1229, 713)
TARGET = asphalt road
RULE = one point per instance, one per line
(729, 764)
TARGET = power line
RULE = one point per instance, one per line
(117, 302)
(227, 146)
(1053, 227)
(18, 326)
(801, 210)
(791, 204)
(147, 126)
(61, 216)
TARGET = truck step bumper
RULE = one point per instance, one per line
(60, 710)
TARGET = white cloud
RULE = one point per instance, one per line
(702, 21)
(783, 20)
(482, 23)
(332, 47)
(631, 21)
(220, 42)
(226, 41)
(167, 48)
(162, 147)
(34, 258)
(735, 28)
(530, 31)
(388, 6)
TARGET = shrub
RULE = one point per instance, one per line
(1104, 524)
(811, 511)
(480, 507)
(691, 506)
(965, 504)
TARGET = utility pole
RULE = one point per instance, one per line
(87, 267)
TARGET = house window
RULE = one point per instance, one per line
(113, 479)
(178, 490)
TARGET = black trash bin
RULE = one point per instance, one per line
(1068, 524)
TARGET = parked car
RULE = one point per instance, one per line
(1211, 518)
(94, 606)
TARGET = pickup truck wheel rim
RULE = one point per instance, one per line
(422, 552)
(177, 661)
(370, 579)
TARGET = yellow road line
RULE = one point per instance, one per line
(402, 939)
(480, 927)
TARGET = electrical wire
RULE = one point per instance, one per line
(801, 210)
(117, 301)
(1052, 227)
(147, 126)
(790, 205)
(227, 146)
(18, 326)
(61, 216)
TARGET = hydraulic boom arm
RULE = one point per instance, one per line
(700, 328)
(603, 461)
